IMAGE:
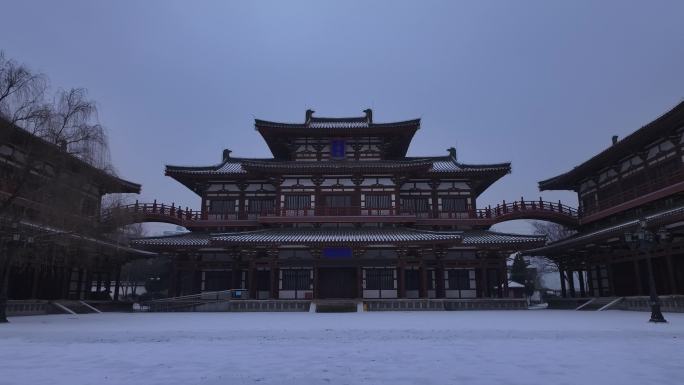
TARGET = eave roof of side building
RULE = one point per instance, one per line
(108, 182)
(669, 121)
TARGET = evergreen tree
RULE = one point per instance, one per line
(519, 270)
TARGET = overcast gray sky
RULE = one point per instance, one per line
(543, 84)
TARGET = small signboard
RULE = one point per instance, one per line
(337, 149)
(337, 252)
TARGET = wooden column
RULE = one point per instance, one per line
(36, 282)
(88, 284)
(235, 273)
(108, 284)
(571, 282)
(671, 273)
(401, 280)
(252, 278)
(486, 290)
(401, 276)
(242, 186)
(583, 290)
(610, 279)
(504, 278)
(173, 277)
(435, 200)
(564, 292)
(81, 283)
(439, 273)
(316, 255)
(275, 276)
(423, 280)
(637, 277)
(66, 281)
(590, 282)
(117, 283)
(359, 280)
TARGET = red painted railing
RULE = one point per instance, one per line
(150, 211)
(505, 211)
(649, 186)
(515, 209)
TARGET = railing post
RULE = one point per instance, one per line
(154, 206)
(136, 205)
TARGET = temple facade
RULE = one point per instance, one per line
(636, 182)
(340, 211)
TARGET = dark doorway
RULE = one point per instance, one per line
(263, 283)
(337, 282)
(412, 279)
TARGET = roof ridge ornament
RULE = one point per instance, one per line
(369, 115)
(452, 153)
(309, 115)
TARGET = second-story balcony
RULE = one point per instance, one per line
(349, 214)
(153, 212)
(628, 197)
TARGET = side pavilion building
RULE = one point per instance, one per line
(340, 211)
(637, 181)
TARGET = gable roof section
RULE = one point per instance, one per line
(20, 138)
(398, 135)
(483, 175)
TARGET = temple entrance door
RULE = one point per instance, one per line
(338, 282)
(263, 284)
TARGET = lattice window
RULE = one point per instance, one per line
(378, 201)
(260, 205)
(454, 204)
(296, 279)
(297, 201)
(457, 279)
(380, 279)
(221, 206)
(415, 204)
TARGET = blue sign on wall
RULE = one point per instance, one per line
(337, 252)
(337, 149)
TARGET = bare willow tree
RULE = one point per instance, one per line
(22, 95)
(553, 232)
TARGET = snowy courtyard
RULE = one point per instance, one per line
(481, 347)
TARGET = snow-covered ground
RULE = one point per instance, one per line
(485, 347)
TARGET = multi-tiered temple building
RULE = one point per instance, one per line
(340, 211)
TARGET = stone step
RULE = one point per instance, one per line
(336, 306)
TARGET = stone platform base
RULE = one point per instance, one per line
(668, 303)
(445, 304)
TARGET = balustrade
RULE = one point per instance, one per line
(521, 209)
(627, 194)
